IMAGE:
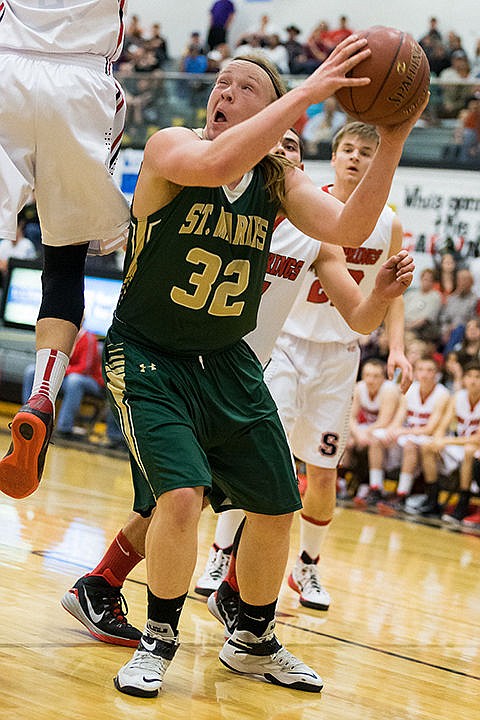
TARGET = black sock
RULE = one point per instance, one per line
(463, 503)
(307, 560)
(225, 591)
(432, 490)
(255, 618)
(166, 612)
(226, 551)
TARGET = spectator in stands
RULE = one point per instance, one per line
(375, 402)
(374, 345)
(158, 44)
(452, 375)
(414, 348)
(460, 306)
(454, 90)
(218, 57)
(134, 31)
(437, 55)
(193, 41)
(417, 418)
(468, 349)
(134, 39)
(249, 44)
(295, 49)
(423, 304)
(82, 377)
(433, 31)
(276, 53)
(323, 125)
(447, 452)
(144, 60)
(21, 248)
(445, 276)
(454, 43)
(316, 49)
(264, 28)
(138, 99)
(194, 61)
(331, 38)
(222, 13)
(476, 60)
(468, 130)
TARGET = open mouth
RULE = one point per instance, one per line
(219, 117)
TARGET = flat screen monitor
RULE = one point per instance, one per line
(23, 293)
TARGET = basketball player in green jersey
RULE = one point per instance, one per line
(188, 392)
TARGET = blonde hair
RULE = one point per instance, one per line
(273, 166)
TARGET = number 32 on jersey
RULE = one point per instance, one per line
(218, 301)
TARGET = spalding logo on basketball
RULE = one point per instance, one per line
(400, 78)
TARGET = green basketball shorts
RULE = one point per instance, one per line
(204, 421)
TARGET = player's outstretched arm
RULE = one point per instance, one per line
(363, 314)
(348, 224)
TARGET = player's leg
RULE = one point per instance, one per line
(253, 647)
(319, 502)
(430, 461)
(267, 483)
(376, 471)
(96, 599)
(64, 135)
(410, 459)
(157, 435)
(461, 509)
(219, 554)
(328, 373)
(174, 525)
(59, 320)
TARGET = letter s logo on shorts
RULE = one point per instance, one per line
(329, 444)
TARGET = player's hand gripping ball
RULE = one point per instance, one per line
(400, 78)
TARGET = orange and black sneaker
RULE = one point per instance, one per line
(22, 466)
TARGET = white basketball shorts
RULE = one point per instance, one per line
(61, 122)
(312, 384)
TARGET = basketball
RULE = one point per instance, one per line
(400, 77)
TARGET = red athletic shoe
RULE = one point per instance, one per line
(21, 468)
(472, 520)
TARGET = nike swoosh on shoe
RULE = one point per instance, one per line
(96, 617)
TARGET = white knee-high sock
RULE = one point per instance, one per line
(405, 483)
(227, 525)
(312, 535)
(376, 479)
(50, 367)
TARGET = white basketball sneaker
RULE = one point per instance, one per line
(305, 581)
(143, 675)
(215, 571)
(251, 655)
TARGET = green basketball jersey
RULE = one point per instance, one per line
(194, 269)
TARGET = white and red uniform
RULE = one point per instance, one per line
(467, 419)
(314, 364)
(61, 119)
(368, 414)
(419, 411)
(290, 257)
(369, 407)
(418, 415)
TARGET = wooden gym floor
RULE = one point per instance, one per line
(401, 640)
